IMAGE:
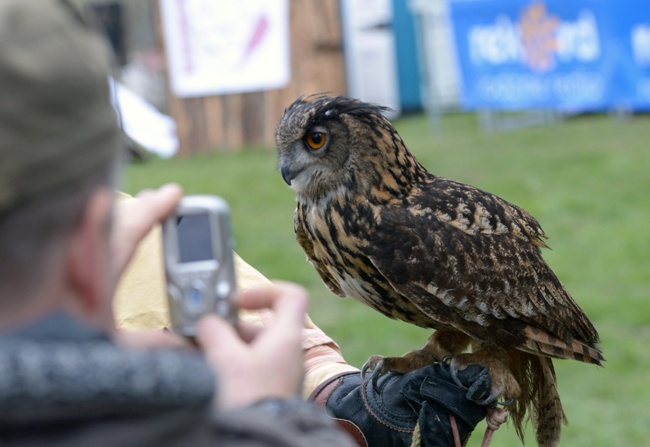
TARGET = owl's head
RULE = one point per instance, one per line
(325, 143)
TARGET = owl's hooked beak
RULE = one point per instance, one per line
(288, 175)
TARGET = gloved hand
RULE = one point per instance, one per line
(409, 409)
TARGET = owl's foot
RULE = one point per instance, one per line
(440, 345)
(504, 384)
(410, 361)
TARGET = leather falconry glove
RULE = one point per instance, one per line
(411, 409)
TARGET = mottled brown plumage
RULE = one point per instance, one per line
(378, 227)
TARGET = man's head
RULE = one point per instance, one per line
(59, 141)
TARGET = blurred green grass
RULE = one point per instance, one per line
(587, 181)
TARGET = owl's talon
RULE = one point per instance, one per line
(364, 370)
(453, 370)
(503, 382)
(374, 364)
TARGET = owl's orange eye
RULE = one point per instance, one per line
(316, 140)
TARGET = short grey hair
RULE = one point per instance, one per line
(33, 236)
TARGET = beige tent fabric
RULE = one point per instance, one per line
(141, 303)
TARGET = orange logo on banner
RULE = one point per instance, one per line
(538, 37)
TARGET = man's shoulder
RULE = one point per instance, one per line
(62, 380)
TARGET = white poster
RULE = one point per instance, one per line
(220, 47)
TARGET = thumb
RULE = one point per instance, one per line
(215, 334)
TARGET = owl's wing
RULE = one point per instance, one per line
(308, 247)
(462, 255)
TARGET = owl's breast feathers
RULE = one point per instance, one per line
(448, 255)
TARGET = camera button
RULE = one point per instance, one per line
(195, 299)
(223, 289)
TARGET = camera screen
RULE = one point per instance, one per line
(194, 238)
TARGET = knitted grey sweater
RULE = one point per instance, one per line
(59, 368)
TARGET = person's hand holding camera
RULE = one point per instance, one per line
(135, 218)
(255, 362)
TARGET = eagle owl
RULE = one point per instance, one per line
(440, 254)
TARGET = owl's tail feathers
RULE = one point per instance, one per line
(541, 342)
(539, 398)
(548, 414)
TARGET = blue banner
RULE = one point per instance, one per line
(631, 27)
(569, 55)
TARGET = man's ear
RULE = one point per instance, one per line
(88, 267)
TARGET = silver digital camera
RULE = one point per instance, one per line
(199, 266)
